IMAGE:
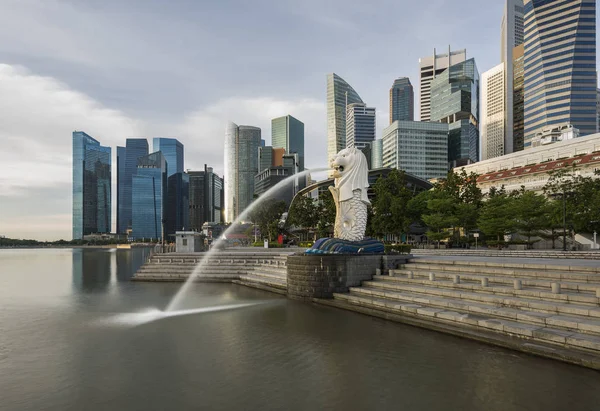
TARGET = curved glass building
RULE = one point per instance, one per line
(241, 165)
(339, 94)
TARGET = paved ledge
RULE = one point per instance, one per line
(474, 333)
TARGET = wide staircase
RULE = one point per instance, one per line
(534, 307)
(265, 270)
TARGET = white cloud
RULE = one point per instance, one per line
(39, 114)
(203, 131)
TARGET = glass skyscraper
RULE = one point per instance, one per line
(241, 165)
(339, 94)
(149, 188)
(91, 186)
(430, 67)
(402, 100)
(560, 67)
(288, 132)
(360, 125)
(376, 154)
(127, 160)
(177, 213)
(418, 147)
(172, 149)
(455, 101)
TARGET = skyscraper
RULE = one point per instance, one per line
(376, 154)
(149, 198)
(91, 186)
(206, 198)
(511, 36)
(127, 159)
(287, 132)
(339, 94)
(172, 149)
(241, 165)
(455, 101)
(417, 147)
(430, 67)
(360, 125)
(518, 98)
(560, 67)
(402, 100)
(177, 212)
(493, 113)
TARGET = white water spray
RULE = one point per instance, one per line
(176, 301)
(150, 315)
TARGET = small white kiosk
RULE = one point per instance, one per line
(188, 242)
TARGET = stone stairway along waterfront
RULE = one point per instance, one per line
(544, 308)
(260, 269)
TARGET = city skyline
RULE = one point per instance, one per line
(70, 86)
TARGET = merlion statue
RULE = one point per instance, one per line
(351, 174)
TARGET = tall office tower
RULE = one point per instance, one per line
(430, 67)
(269, 177)
(493, 113)
(510, 37)
(206, 198)
(339, 94)
(360, 125)
(377, 154)
(598, 110)
(177, 213)
(417, 147)
(91, 186)
(127, 158)
(270, 157)
(149, 199)
(241, 165)
(172, 149)
(518, 98)
(560, 68)
(287, 132)
(455, 101)
(402, 100)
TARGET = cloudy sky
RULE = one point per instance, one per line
(182, 68)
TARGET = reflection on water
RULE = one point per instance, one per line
(93, 269)
(284, 355)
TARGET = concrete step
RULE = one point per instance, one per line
(565, 275)
(264, 274)
(546, 294)
(574, 286)
(491, 323)
(509, 265)
(271, 282)
(526, 302)
(568, 321)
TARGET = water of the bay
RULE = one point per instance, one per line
(58, 353)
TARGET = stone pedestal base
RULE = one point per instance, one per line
(319, 276)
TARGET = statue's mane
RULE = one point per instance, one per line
(357, 178)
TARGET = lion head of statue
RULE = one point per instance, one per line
(351, 172)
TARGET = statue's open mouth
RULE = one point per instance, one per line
(339, 168)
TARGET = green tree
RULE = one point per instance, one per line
(531, 213)
(441, 216)
(326, 211)
(266, 216)
(497, 217)
(390, 204)
(304, 213)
